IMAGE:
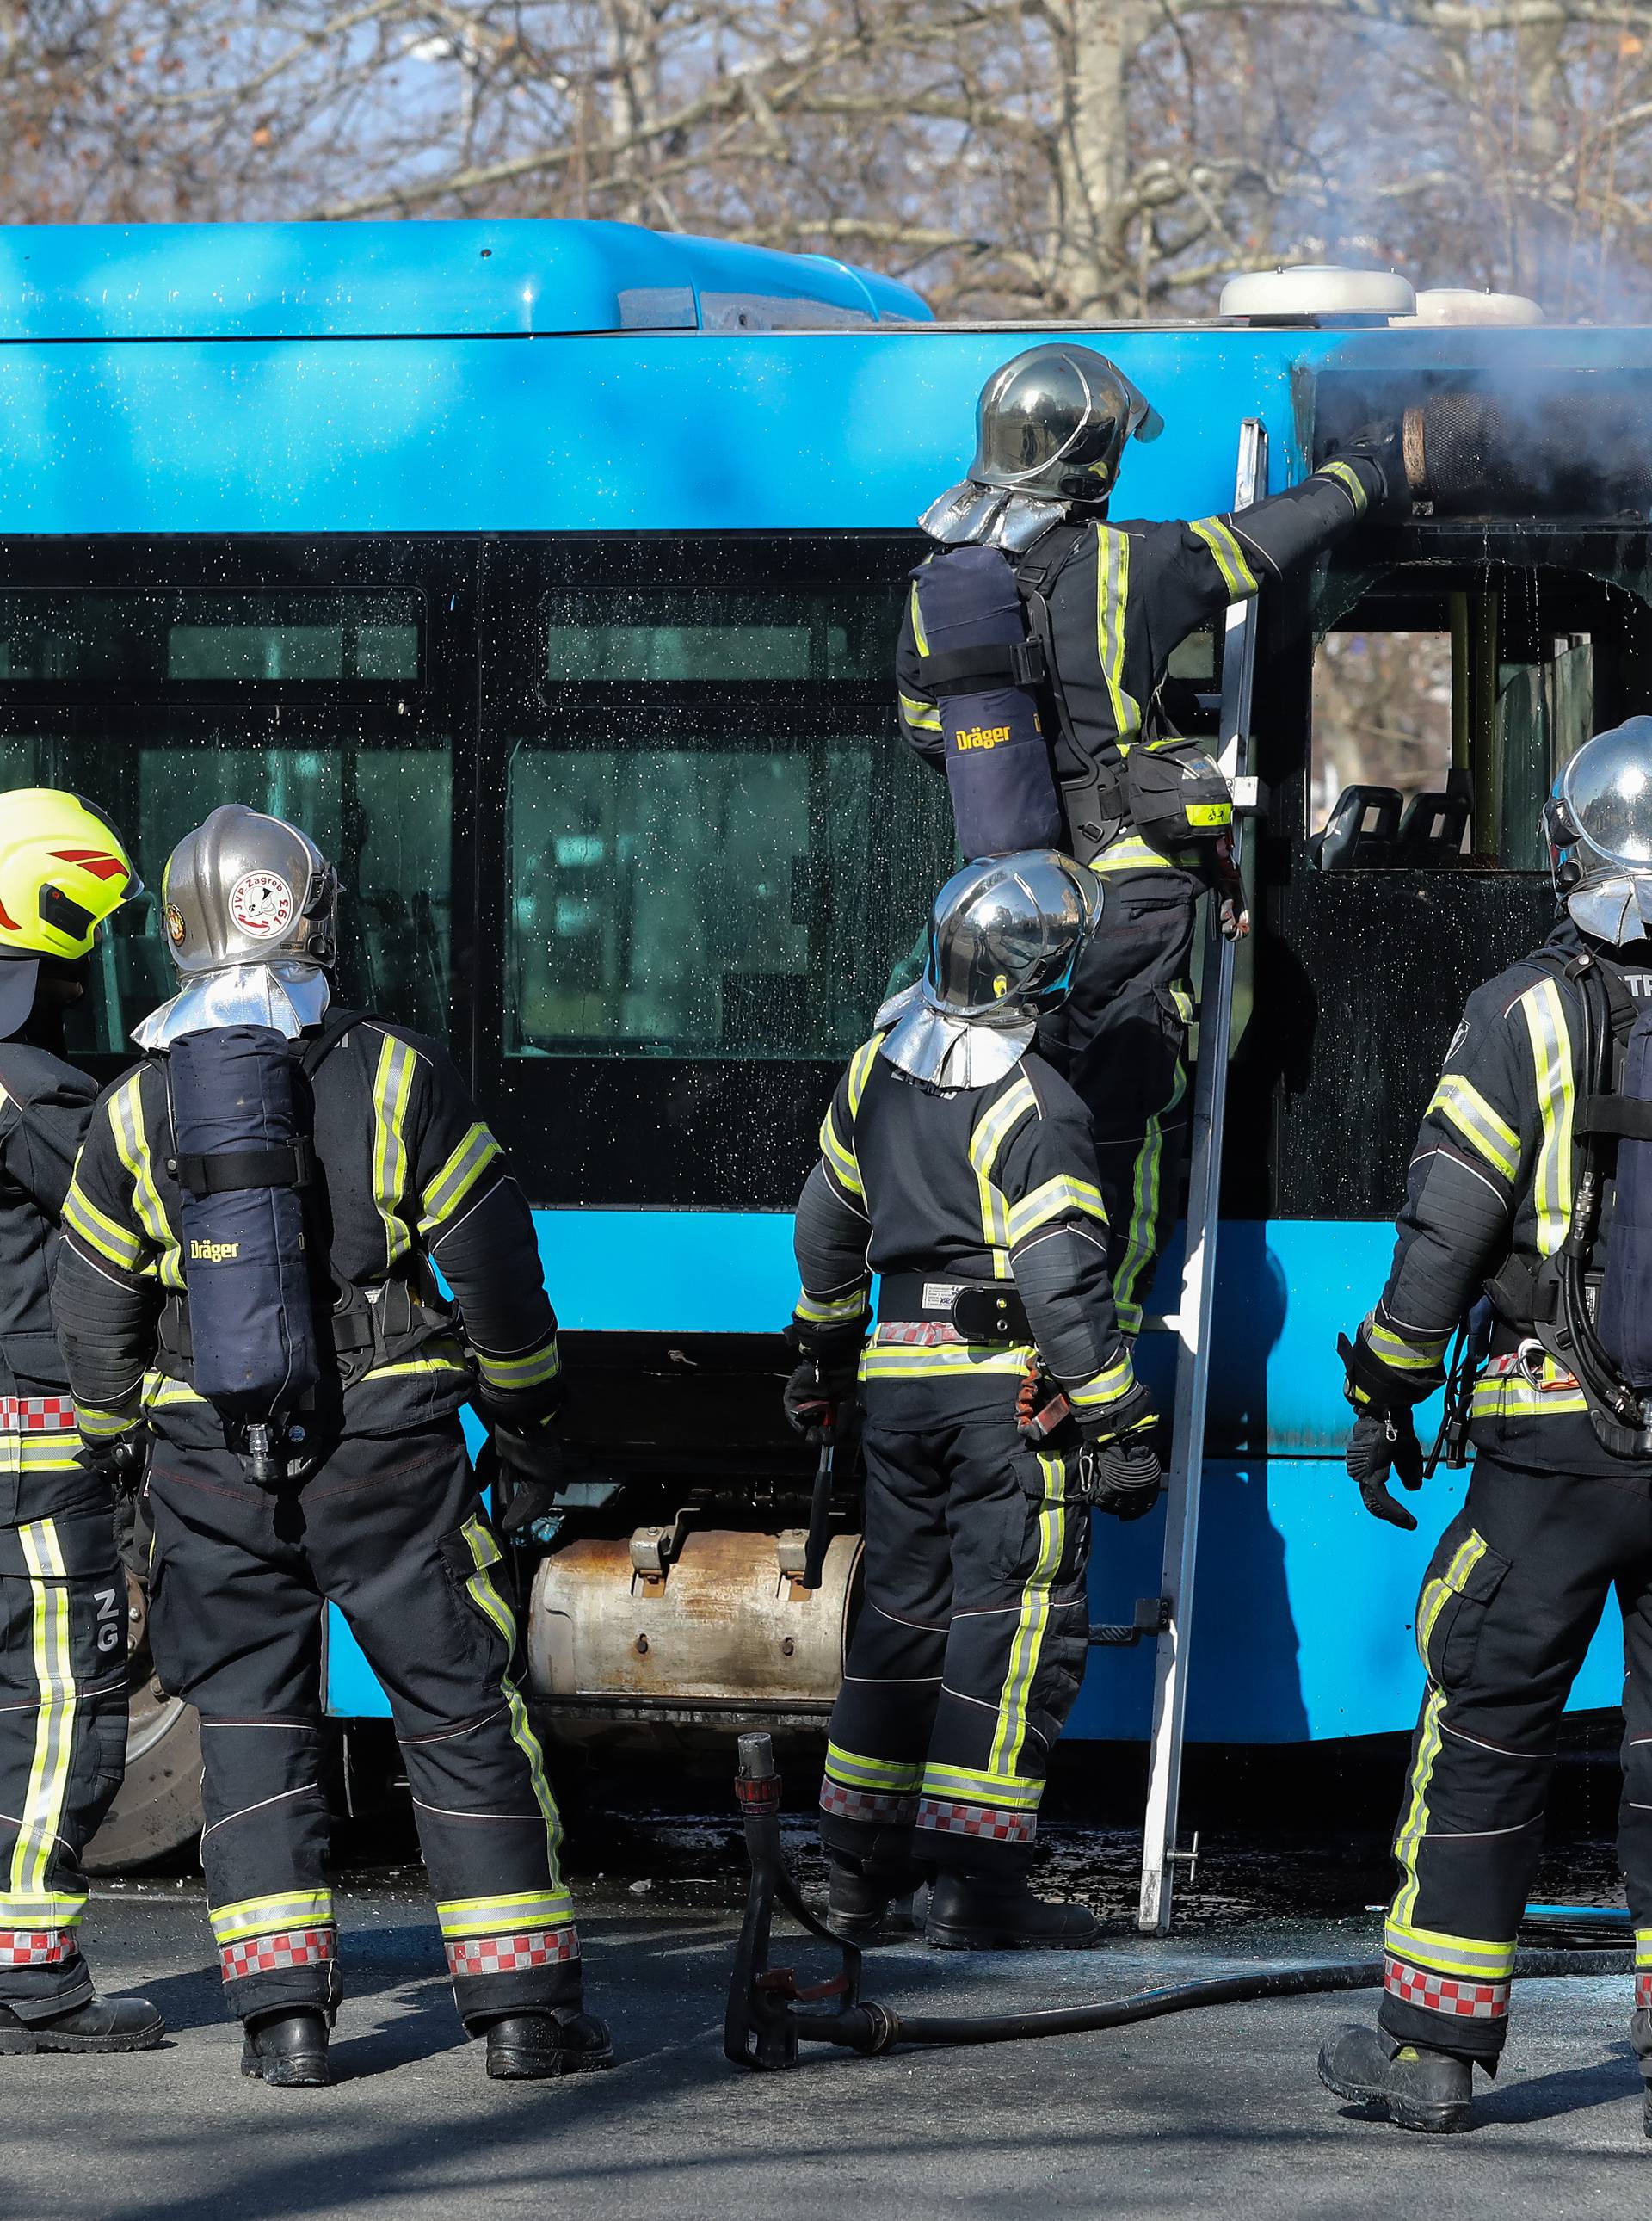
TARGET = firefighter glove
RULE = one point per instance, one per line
(1380, 447)
(1385, 1442)
(825, 1376)
(1119, 1467)
(120, 1460)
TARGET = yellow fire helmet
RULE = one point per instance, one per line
(63, 870)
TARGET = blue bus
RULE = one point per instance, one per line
(548, 574)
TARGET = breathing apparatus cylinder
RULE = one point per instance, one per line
(244, 1157)
(983, 670)
(1626, 1327)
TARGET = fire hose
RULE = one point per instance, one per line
(770, 2014)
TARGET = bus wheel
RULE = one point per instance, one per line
(158, 1810)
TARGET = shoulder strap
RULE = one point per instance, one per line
(317, 1052)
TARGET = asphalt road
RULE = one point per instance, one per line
(1215, 2113)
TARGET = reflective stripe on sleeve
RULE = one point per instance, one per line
(1345, 475)
(1405, 1354)
(1112, 598)
(532, 1370)
(1240, 579)
(923, 716)
(132, 1143)
(1056, 1198)
(99, 1231)
(458, 1177)
(833, 1311)
(1107, 1386)
(1490, 1135)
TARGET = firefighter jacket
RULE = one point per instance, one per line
(407, 1181)
(1122, 601)
(1493, 1179)
(934, 1189)
(44, 1107)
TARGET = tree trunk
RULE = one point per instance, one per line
(1090, 219)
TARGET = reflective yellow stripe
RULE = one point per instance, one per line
(1056, 1198)
(855, 1770)
(840, 1160)
(860, 1065)
(922, 714)
(411, 1367)
(99, 1232)
(160, 1392)
(1642, 1950)
(1028, 1643)
(1467, 1955)
(1511, 1396)
(484, 1555)
(392, 1084)
(1491, 1137)
(1141, 1239)
(879, 1362)
(98, 1426)
(132, 1144)
(993, 1129)
(1551, 1051)
(920, 638)
(41, 1909)
(1467, 1557)
(530, 1370)
(1106, 1387)
(1011, 1793)
(1112, 598)
(1402, 1355)
(1350, 481)
(458, 1177)
(1240, 578)
(832, 1310)
(501, 1916)
(1130, 853)
(41, 1820)
(55, 1453)
(268, 1916)
(1415, 1825)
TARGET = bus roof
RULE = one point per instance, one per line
(417, 280)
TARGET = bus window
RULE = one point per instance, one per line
(180, 640)
(687, 897)
(1443, 709)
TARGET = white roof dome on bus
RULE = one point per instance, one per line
(1464, 304)
(1307, 291)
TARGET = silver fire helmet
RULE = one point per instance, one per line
(1003, 937)
(1050, 428)
(249, 905)
(1599, 827)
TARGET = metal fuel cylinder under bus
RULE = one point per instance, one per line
(724, 1625)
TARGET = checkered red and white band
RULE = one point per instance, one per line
(983, 1821)
(1442, 1994)
(36, 1415)
(1644, 1992)
(888, 1807)
(915, 1334)
(512, 1954)
(270, 1954)
(34, 1946)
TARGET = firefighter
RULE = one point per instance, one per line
(1528, 1178)
(63, 1675)
(368, 1500)
(1000, 1405)
(1106, 605)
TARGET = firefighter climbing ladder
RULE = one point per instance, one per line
(1192, 1321)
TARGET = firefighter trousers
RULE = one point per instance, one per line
(389, 1529)
(1120, 1039)
(968, 1651)
(1512, 1596)
(63, 1700)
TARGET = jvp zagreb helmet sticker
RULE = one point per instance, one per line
(261, 904)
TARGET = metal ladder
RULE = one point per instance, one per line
(1191, 1322)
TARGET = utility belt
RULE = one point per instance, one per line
(1530, 1324)
(371, 1328)
(926, 1309)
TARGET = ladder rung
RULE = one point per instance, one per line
(1160, 1322)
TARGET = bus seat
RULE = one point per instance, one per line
(1431, 832)
(1359, 833)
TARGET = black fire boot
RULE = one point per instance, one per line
(968, 1914)
(860, 1902)
(100, 2024)
(533, 2046)
(288, 2049)
(1417, 2088)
